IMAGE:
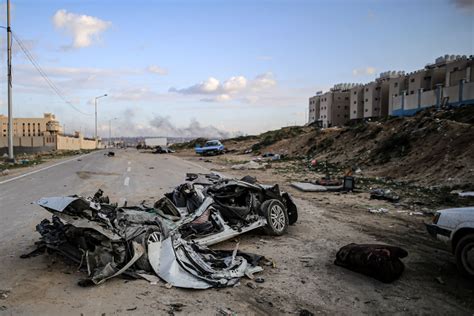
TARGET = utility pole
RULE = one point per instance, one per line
(95, 103)
(9, 83)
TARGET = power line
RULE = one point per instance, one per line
(51, 84)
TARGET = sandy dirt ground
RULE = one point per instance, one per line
(302, 278)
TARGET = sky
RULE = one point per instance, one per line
(213, 68)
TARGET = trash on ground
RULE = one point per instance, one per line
(381, 262)
(4, 294)
(380, 210)
(251, 165)
(110, 154)
(170, 239)
(384, 194)
(308, 187)
(272, 156)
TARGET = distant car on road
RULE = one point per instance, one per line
(212, 147)
(163, 150)
(456, 226)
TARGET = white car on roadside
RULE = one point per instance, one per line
(456, 227)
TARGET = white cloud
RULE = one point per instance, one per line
(265, 58)
(218, 98)
(84, 29)
(157, 70)
(364, 71)
(234, 84)
(264, 81)
(232, 88)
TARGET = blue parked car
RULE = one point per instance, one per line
(212, 147)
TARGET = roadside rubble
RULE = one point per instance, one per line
(251, 165)
(380, 210)
(170, 239)
(384, 194)
(326, 185)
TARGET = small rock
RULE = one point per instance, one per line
(259, 280)
(252, 285)
(305, 312)
(440, 280)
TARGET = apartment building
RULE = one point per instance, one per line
(447, 81)
(335, 106)
(376, 94)
(357, 102)
(314, 108)
(397, 86)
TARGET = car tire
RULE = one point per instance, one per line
(465, 255)
(277, 217)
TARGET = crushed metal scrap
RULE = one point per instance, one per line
(170, 238)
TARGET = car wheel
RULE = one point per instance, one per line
(465, 255)
(276, 216)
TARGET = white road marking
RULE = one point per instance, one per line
(42, 169)
(192, 163)
(126, 182)
(129, 169)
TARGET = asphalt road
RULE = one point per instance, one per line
(130, 176)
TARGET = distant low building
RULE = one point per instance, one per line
(41, 134)
(46, 125)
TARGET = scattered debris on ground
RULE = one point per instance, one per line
(251, 165)
(384, 194)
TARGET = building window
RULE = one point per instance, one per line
(366, 100)
(366, 110)
(345, 107)
(346, 98)
(376, 99)
(355, 112)
(395, 84)
(412, 92)
(366, 89)
(355, 102)
(396, 95)
(412, 80)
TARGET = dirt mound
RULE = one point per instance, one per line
(430, 148)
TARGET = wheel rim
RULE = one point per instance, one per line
(277, 217)
(467, 257)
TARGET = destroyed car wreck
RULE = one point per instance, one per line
(170, 238)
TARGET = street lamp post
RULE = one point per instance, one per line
(95, 103)
(110, 129)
